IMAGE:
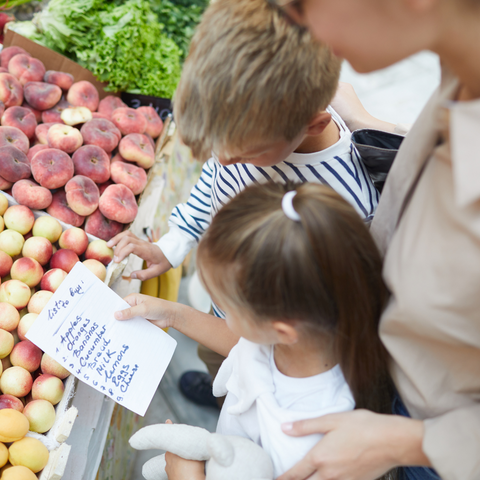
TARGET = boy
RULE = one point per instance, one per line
(254, 93)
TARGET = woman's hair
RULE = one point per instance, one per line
(322, 274)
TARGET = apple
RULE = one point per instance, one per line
(48, 387)
(38, 248)
(97, 268)
(98, 250)
(16, 381)
(52, 279)
(26, 355)
(27, 270)
(11, 242)
(40, 414)
(16, 293)
(48, 228)
(19, 218)
(64, 259)
(74, 239)
(52, 367)
(38, 301)
(9, 317)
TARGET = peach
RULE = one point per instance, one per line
(61, 79)
(59, 209)
(41, 95)
(6, 343)
(64, 137)
(11, 242)
(21, 118)
(135, 178)
(28, 193)
(92, 162)
(64, 259)
(26, 355)
(2, 108)
(97, 268)
(38, 248)
(82, 195)
(37, 113)
(16, 293)
(14, 164)
(41, 132)
(74, 239)
(100, 115)
(136, 148)
(151, 140)
(36, 148)
(98, 250)
(83, 94)
(26, 68)
(117, 158)
(100, 226)
(38, 301)
(118, 203)
(28, 452)
(48, 387)
(3, 204)
(5, 362)
(52, 168)
(9, 317)
(5, 184)
(76, 115)
(52, 279)
(8, 53)
(154, 122)
(9, 401)
(25, 323)
(19, 218)
(48, 228)
(54, 114)
(110, 103)
(11, 90)
(27, 270)
(52, 367)
(16, 381)
(128, 120)
(12, 136)
(40, 414)
(6, 263)
(104, 185)
(102, 133)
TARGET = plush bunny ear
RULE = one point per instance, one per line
(221, 450)
(154, 469)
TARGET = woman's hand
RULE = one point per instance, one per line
(160, 312)
(358, 445)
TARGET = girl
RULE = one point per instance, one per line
(299, 278)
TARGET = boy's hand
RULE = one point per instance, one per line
(180, 469)
(161, 313)
(126, 243)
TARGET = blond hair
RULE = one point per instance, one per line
(322, 274)
(250, 76)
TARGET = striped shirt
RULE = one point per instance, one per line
(338, 166)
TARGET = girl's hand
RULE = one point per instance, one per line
(358, 445)
(162, 313)
(180, 469)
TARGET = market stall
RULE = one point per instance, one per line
(90, 434)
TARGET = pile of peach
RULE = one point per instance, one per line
(20, 456)
(64, 150)
(32, 267)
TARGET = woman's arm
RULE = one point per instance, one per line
(358, 445)
(210, 331)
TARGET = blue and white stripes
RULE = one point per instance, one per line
(338, 166)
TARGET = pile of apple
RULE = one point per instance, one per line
(63, 150)
(35, 257)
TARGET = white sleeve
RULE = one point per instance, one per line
(189, 221)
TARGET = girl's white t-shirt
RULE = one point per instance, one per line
(260, 398)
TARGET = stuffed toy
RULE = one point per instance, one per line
(226, 456)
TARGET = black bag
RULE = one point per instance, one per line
(377, 150)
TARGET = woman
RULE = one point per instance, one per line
(428, 226)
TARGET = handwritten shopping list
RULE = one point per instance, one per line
(125, 360)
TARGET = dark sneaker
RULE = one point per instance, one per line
(197, 387)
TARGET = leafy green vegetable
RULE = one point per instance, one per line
(120, 42)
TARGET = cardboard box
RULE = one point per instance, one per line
(55, 61)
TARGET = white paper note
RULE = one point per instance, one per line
(125, 360)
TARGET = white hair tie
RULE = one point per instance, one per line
(287, 206)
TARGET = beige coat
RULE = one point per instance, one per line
(431, 326)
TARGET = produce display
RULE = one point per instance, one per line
(64, 150)
(120, 42)
(36, 255)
